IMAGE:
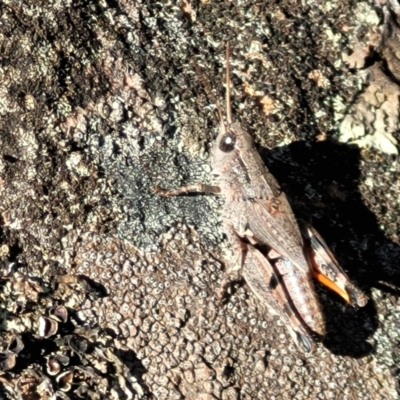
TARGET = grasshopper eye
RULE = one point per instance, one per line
(227, 143)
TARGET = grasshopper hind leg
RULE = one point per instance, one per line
(356, 296)
(248, 262)
(327, 270)
(263, 282)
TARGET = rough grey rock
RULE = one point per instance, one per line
(99, 102)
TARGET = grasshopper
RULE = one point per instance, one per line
(277, 257)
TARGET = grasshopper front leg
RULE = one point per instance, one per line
(327, 270)
(192, 188)
(234, 269)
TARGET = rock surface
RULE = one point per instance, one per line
(99, 102)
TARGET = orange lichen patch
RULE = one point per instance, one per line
(248, 89)
(318, 77)
(357, 58)
(267, 104)
(187, 9)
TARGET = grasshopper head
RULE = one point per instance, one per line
(233, 137)
(231, 143)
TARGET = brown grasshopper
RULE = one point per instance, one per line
(275, 257)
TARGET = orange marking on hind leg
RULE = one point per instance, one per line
(330, 285)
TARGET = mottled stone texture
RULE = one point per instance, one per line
(99, 102)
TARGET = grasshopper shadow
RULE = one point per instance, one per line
(321, 181)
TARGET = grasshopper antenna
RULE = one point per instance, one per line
(210, 94)
(228, 83)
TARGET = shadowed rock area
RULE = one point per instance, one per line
(108, 291)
